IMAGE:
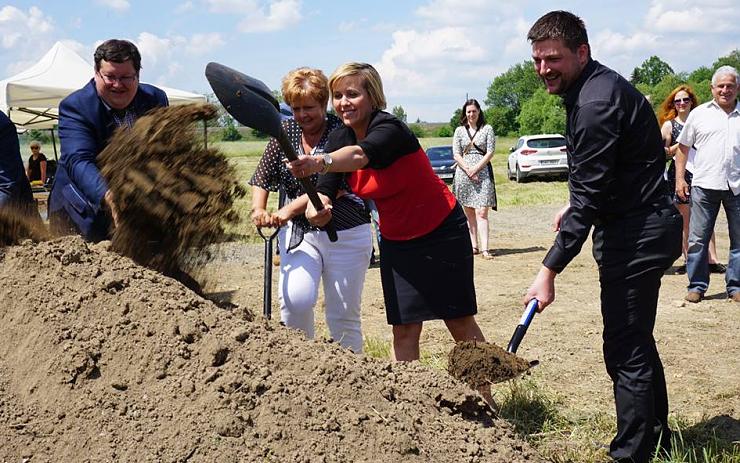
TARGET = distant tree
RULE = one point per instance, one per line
(417, 130)
(399, 112)
(222, 116)
(542, 113)
(455, 119)
(41, 136)
(698, 75)
(445, 131)
(732, 59)
(501, 120)
(230, 133)
(651, 71)
(511, 89)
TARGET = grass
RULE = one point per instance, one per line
(538, 416)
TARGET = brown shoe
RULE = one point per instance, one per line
(735, 296)
(694, 296)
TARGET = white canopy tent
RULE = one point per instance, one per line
(31, 98)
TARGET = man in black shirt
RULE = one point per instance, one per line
(616, 161)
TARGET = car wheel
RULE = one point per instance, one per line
(508, 172)
(519, 175)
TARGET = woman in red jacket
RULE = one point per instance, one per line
(427, 264)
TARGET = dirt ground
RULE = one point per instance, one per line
(103, 360)
(697, 342)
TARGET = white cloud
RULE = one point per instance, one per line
(118, 5)
(203, 43)
(280, 15)
(681, 16)
(457, 12)
(184, 7)
(230, 6)
(19, 28)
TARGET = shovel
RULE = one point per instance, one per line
(481, 363)
(251, 103)
(267, 289)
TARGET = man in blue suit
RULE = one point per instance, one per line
(80, 201)
(15, 191)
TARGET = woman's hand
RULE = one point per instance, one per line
(322, 217)
(111, 203)
(261, 218)
(305, 166)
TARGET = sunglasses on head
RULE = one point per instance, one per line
(682, 100)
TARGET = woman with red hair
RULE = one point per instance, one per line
(672, 116)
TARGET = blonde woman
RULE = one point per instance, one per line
(427, 264)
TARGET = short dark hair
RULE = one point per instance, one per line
(560, 25)
(481, 117)
(117, 51)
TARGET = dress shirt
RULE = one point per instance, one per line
(716, 137)
(615, 158)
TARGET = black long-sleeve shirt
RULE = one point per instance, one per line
(615, 156)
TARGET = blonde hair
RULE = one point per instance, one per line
(34, 143)
(303, 83)
(371, 80)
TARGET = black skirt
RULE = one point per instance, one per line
(430, 277)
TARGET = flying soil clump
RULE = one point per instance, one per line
(172, 194)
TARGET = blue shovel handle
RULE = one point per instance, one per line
(524, 323)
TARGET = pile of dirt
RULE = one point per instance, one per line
(481, 363)
(104, 360)
(172, 194)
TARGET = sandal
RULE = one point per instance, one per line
(476, 251)
(487, 254)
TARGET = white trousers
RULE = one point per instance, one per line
(341, 266)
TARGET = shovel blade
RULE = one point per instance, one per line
(246, 99)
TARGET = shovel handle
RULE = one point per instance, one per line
(521, 328)
(267, 283)
(308, 187)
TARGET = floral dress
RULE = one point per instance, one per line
(468, 192)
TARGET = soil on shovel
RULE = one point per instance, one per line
(104, 360)
(172, 194)
(481, 363)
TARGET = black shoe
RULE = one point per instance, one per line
(717, 268)
(681, 270)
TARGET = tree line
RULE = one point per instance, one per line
(518, 104)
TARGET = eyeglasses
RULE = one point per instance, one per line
(125, 80)
(35, 147)
(682, 101)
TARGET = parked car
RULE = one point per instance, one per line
(537, 155)
(442, 162)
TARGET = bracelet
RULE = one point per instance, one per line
(324, 169)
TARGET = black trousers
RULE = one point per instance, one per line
(632, 254)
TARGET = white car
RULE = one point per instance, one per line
(537, 155)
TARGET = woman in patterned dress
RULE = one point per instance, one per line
(306, 254)
(672, 116)
(474, 187)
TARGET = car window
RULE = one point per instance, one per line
(520, 143)
(439, 152)
(555, 142)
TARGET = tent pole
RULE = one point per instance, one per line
(54, 144)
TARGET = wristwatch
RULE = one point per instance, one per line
(327, 162)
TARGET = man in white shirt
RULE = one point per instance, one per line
(713, 128)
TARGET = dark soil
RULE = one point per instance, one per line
(172, 194)
(481, 363)
(104, 360)
(16, 226)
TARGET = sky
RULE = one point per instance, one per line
(431, 54)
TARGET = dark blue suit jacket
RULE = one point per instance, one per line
(15, 190)
(85, 126)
